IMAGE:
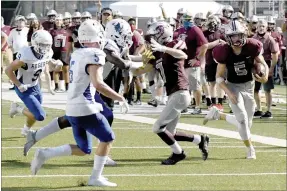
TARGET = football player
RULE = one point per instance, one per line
(214, 37)
(237, 58)
(67, 20)
(49, 23)
(270, 54)
(169, 59)
(82, 111)
(30, 62)
(60, 43)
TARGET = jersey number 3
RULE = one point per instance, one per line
(240, 70)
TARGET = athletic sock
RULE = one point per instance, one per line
(49, 129)
(64, 150)
(99, 163)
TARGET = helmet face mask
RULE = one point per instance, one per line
(235, 34)
(237, 40)
(212, 25)
(42, 41)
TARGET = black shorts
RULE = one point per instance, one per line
(268, 86)
(210, 72)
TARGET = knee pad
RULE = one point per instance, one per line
(63, 122)
(40, 117)
(86, 150)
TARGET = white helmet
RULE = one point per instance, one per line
(161, 32)
(86, 14)
(235, 28)
(227, 11)
(76, 18)
(91, 31)
(117, 14)
(31, 16)
(20, 17)
(270, 20)
(51, 13)
(151, 21)
(59, 17)
(76, 15)
(213, 23)
(181, 11)
(170, 21)
(120, 32)
(199, 19)
(67, 15)
(42, 41)
(253, 19)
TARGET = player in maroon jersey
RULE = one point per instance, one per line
(214, 37)
(169, 59)
(49, 24)
(60, 43)
(237, 58)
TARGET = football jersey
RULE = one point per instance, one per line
(31, 71)
(112, 47)
(80, 100)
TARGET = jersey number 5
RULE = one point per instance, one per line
(240, 70)
(36, 75)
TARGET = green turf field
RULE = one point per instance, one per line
(139, 152)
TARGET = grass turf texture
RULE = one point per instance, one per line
(136, 165)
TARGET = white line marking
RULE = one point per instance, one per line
(144, 175)
(283, 155)
(271, 151)
(154, 147)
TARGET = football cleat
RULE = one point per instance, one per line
(213, 114)
(38, 161)
(13, 109)
(110, 162)
(101, 182)
(251, 154)
(196, 111)
(30, 141)
(174, 158)
(24, 131)
(203, 146)
(153, 102)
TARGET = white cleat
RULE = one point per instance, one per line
(251, 154)
(24, 131)
(110, 162)
(30, 141)
(101, 182)
(213, 114)
(13, 109)
(38, 161)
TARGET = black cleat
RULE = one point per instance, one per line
(153, 102)
(203, 146)
(174, 158)
(146, 91)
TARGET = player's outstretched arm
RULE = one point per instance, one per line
(15, 65)
(176, 53)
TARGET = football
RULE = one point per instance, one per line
(258, 69)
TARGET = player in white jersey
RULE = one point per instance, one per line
(82, 111)
(31, 61)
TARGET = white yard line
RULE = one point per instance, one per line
(144, 175)
(51, 101)
(157, 147)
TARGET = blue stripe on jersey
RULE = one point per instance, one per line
(87, 94)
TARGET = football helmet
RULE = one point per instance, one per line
(151, 21)
(51, 15)
(227, 11)
(67, 18)
(119, 31)
(235, 33)
(161, 32)
(199, 19)
(271, 23)
(86, 15)
(238, 16)
(91, 31)
(42, 41)
(31, 16)
(76, 18)
(117, 15)
(213, 23)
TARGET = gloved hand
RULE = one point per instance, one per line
(147, 56)
(157, 47)
(124, 107)
(22, 88)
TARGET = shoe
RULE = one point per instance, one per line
(38, 161)
(282, 83)
(257, 114)
(30, 141)
(230, 111)
(213, 114)
(13, 109)
(219, 107)
(174, 158)
(110, 162)
(146, 91)
(224, 99)
(251, 154)
(267, 114)
(138, 102)
(57, 90)
(196, 111)
(203, 146)
(101, 182)
(184, 111)
(152, 102)
(12, 88)
(273, 104)
(24, 131)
